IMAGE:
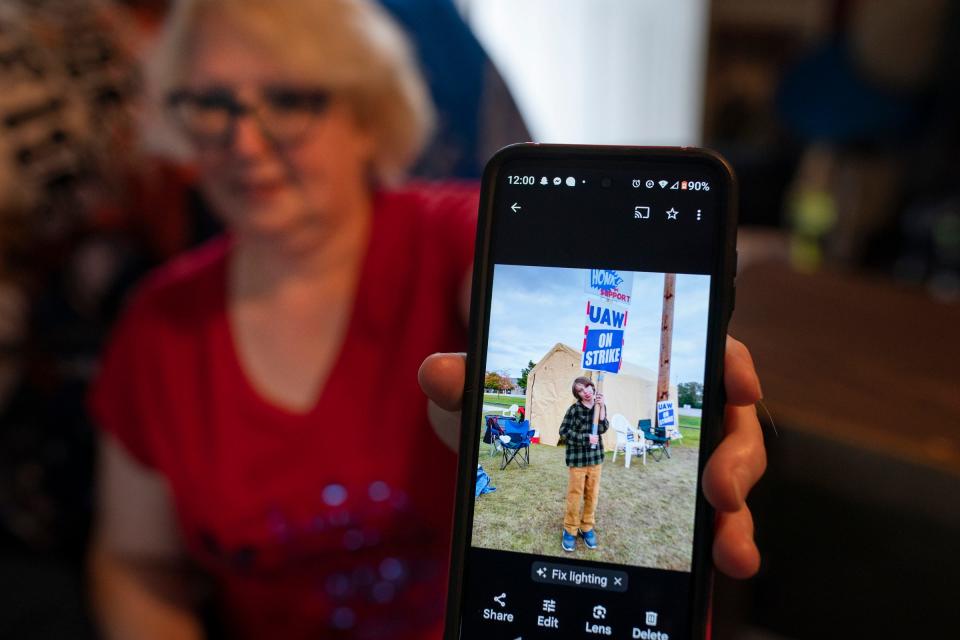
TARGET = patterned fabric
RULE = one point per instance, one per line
(575, 428)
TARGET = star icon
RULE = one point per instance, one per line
(672, 214)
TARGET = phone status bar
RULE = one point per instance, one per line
(665, 184)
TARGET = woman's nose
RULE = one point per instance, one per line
(249, 138)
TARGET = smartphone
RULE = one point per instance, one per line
(603, 285)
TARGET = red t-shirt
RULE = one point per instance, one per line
(332, 522)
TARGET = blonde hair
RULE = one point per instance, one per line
(351, 47)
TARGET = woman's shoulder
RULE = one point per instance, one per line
(432, 199)
(186, 284)
(434, 222)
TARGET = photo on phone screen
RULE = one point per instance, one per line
(602, 289)
(604, 325)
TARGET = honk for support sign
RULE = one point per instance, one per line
(612, 285)
(603, 338)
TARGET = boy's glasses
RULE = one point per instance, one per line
(284, 114)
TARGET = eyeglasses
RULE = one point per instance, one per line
(284, 114)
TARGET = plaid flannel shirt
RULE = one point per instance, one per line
(576, 428)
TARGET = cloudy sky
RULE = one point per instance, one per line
(536, 307)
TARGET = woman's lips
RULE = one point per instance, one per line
(258, 189)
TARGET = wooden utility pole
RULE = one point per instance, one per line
(666, 336)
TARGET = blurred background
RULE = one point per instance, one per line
(840, 119)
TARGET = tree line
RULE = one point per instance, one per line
(499, 381)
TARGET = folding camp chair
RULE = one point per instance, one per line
(657, 442)
(492, 433)
(515, 442)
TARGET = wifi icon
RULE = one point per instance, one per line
(663, 183)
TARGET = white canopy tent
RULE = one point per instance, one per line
(632, 392)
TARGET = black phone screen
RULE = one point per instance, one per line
(593, 395)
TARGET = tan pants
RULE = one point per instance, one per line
(583, 486)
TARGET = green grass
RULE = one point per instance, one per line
(505, 400)
(644, 515)
(690, 429)
(691, 438)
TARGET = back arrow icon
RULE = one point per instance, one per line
(515, 206)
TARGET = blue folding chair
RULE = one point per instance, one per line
(515, 442)
(658, 441)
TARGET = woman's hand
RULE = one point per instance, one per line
(594, 439)
(598, 399)
(736, 465)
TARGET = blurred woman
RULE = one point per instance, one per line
(259, 404)
(223, 398)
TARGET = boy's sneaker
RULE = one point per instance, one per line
(589, 538)
(568, 542)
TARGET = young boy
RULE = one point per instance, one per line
(584, 462)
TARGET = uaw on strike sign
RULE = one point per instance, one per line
(606, 319)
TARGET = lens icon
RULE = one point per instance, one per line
(650, 184)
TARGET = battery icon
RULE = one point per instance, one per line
(683, 185)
